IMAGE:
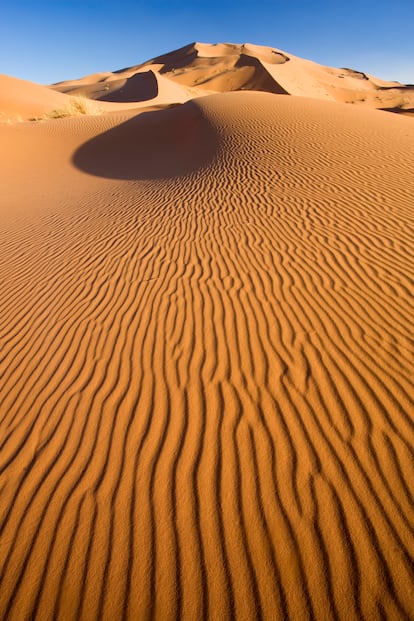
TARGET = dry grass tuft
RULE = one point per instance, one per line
(77, 106)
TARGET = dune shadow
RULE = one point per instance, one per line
(166, 143)
(400, 87)
(262, 80)
(400, 110)
(178, 59)
(140, 87)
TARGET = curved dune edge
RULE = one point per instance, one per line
(21, 100)
(206, 379)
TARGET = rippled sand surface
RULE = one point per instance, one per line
(206, 363)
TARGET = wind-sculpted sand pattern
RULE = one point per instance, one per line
(207, 366)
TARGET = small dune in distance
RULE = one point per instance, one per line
(207, 342)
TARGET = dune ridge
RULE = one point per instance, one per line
(206, 365)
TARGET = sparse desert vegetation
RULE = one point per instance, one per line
(77, 106)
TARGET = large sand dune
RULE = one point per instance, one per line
(197, 70)
(233, 67)
(206, 364)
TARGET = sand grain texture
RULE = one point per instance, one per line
(206, 363)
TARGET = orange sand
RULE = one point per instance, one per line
(206, 363)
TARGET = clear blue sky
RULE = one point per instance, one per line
(48, 41)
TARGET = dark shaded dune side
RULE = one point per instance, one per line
(152, 145)
(400, 110)
(261, 80)
(142, 86)
(245, 73)
(178, 58)
(207, 371)
(139, 87)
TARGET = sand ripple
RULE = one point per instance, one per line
(206, 397)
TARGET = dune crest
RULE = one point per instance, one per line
(207, 373)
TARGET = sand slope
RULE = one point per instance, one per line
(20, 99)
(206, 364)
(233, 67)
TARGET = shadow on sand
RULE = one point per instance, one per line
(140, 87)
(153, 145)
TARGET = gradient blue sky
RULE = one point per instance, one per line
(47, 41)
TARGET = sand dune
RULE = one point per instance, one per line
(206, 393)
(201, 69)
(130, 86)
(233, 67)
(20, 99)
